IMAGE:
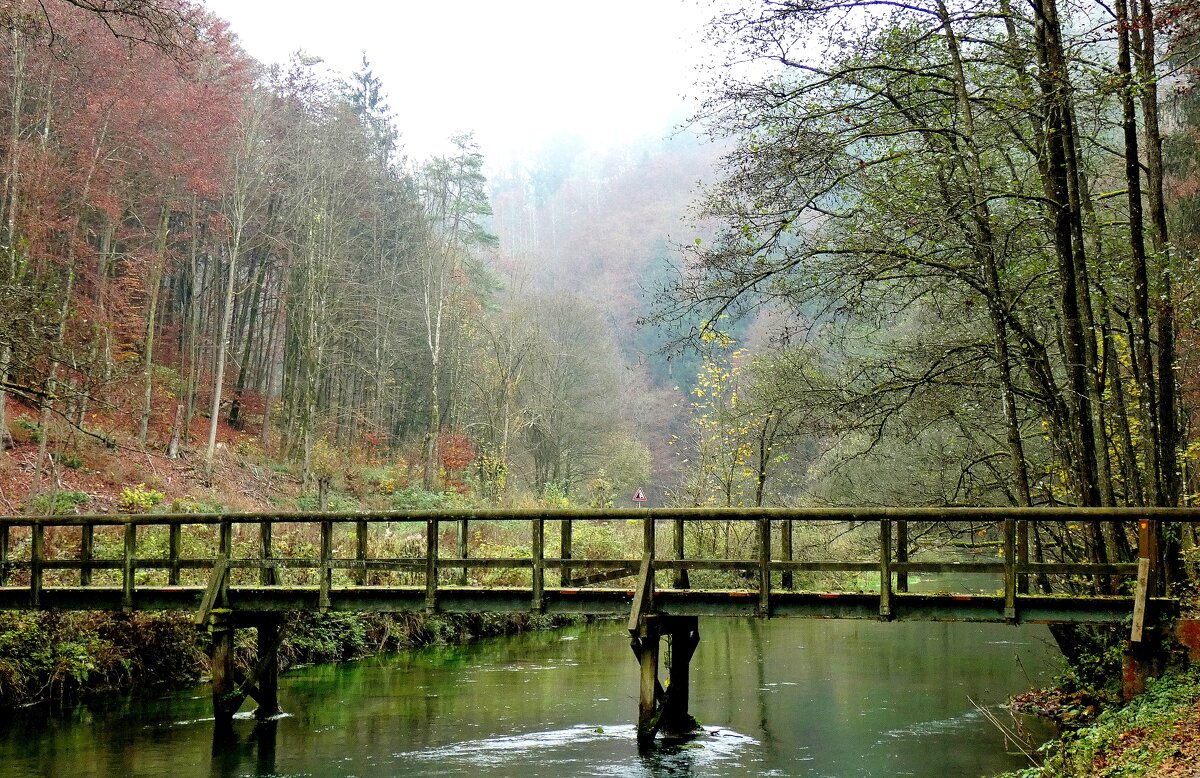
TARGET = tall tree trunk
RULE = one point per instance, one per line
(156, 270)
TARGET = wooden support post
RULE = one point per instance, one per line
(360, 552)
(566, 541)
(648, 544)
(87, 546)
(902, 554)
(4, 555)
(36, 555)
(538, 542)
(174, 535)
(764, 568)
(266, 676)
(326, 568)
(786, 551)
(431, 571)
(646, 647)
(681, 574)
(885, 569)
(1023, 555)
(1144, 580)
(684, 636)
(129, 567)
(224, 682)
(268, 575)
(462, 550)
(1010, 571)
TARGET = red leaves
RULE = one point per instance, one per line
(456, 450)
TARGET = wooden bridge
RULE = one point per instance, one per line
(237, 571)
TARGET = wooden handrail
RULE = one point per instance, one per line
(356, 561)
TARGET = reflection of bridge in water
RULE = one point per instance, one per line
(231, 572)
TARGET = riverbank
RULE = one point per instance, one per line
(1157, 735)
(61, 658)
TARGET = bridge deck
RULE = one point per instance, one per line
(252, 601)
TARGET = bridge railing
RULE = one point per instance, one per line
(413, 549)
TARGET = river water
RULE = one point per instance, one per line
(785, 697)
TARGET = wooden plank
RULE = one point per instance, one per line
(516, 563)
(643, 598)
(216, 585)
(901, 556)
(1139, 600)
(605, 577)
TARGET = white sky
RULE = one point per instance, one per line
(513, 71)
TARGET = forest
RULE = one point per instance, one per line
(198, 242)
(931, 254)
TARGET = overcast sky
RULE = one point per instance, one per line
(514, 71)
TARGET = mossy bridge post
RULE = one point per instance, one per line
(246, 571)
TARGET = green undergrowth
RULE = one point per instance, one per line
(60, 658)
(1129, 741)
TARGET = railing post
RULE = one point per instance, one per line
(885, 568)
(129, 572)
(786, 551)
(35, 564)
(225, 550)
(538, 551)
(173, 537)
(1023, 555)
(360, 552)
(326, 568)
(681, 574)
(87, 545)
(648, 544)
(431, 558)
(902, 554)
(267, 576)
(565, 551)
(764, 568)
(1010, 570)
(462, 549)
(4, 555)
(225, 542)
(1145, 578)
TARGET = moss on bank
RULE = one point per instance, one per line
(1157, 734)
(56, 657)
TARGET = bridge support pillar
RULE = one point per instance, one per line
(230, 688)
(665, 709)
(1140, 662)
(224, 680)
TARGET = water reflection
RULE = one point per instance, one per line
(773, 698)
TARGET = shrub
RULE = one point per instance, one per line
(138, 499)
(55, 503)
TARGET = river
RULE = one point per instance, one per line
(785, 697)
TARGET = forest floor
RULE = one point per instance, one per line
(1157, 735)
(84, 465)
